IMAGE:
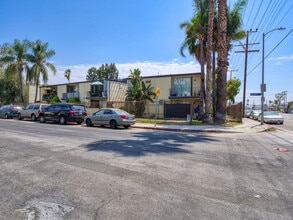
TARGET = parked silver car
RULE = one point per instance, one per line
(110, 116)
(271, 117)
(32, 111)
(254, 114)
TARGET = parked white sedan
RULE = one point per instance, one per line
(272, 117)
(110, 116)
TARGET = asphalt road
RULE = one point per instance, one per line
(288, 121)
(49, 171)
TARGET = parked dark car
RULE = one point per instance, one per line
(9, 111)
(62, 113)
(32, 111)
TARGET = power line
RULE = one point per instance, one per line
(271, 51)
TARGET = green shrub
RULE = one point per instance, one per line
(74, 100)
(55, 99)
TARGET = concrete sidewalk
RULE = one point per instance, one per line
(248, 125)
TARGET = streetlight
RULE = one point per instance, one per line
(263, 70)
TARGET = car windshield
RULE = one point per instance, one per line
(270, 113)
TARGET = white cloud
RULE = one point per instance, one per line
(285, 58)
(79, 72)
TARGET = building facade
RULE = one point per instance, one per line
(179, 94)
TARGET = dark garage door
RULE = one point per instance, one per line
(177, 110)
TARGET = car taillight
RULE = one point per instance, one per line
(72, 112)
(123, 116)
(85, 113)
(39, 111)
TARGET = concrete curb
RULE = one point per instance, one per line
(186, 129)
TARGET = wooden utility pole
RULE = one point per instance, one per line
(245, 47)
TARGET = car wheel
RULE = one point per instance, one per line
(6, 116)
(88, 122)
(42, 119)
(126, 126)
(33, 117)
(62, 120)
(113, 124)
(79, 122)
(19, 117)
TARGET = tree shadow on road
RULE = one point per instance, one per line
(143, 143)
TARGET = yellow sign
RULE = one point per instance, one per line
(157, 91)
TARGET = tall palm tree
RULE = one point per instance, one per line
(197, 29)
(229, 29)
(222, 66)
(195, 42)
(38, 58)
(15, 59)
(209, 52)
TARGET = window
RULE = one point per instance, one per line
(181, 86)
(71, 89)
(29, 107)
(36, 107)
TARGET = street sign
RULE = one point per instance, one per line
(255, 94)
(158, 91)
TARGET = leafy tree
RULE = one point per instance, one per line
(106, 71)
(14, 58)
(92, 74)
(38, 58)
(139, 93)
(67, 74)
(8, 89)
(233, 88)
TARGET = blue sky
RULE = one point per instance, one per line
(145, 34)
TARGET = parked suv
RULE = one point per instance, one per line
(9, 111)
(32, 111)
(62, 113)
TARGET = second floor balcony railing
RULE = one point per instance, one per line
(97, 94)
(69, 95)
(177, 93)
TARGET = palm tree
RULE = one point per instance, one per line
(198, 33)
(38, 58)
(209, 52)
(15, 59)
(195, 41)
(67, 74)
(222, 66)
(140, 93)
(229, 29)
